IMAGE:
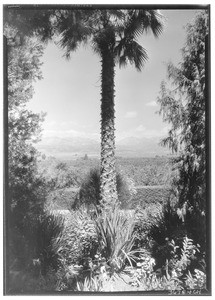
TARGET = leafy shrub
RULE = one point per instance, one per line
(144, 220)
(195, 223)
(196, 281)
(61, 199)
(182, 257)
(75, 248)
(78, 242)
(165, 227)
(47, 238)
(63, 248)
(39, 255)
(177, 273)
(89, 191)
(142, 276)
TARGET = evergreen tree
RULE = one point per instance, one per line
(183, 106)
(26, 191)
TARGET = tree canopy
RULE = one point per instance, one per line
(183, 105)
(26, 193)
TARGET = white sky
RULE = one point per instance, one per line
(70, 90)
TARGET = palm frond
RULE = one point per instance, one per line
(130, 50)
(123, 61)
(74, 30)
(144, 20)
(133, 29)
(157, 22)
(117, 13)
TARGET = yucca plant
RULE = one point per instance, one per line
(116, 239)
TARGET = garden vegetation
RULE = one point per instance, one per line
(90, 246)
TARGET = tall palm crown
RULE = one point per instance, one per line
(113, 35)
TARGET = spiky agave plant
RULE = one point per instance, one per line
(116, 239)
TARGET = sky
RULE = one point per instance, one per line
(70, 90)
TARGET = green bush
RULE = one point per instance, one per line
(182, 257)
(47, 238)
(144, 220)
(165, 227)
(34, 258)
(177, 273)
(142, 276)
(78, 235)
(25, 204)
(61, 253)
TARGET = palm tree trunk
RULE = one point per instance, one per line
(108, 191)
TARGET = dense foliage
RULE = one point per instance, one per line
(23, 128)
(30, 231)
(183, 106)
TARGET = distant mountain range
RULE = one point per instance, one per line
(78, 146)
(141, 147)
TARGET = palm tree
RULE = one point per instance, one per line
(113, 35)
